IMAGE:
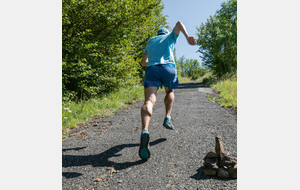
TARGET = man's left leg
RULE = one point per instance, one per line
(169, 101)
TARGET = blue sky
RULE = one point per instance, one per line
(191, 13)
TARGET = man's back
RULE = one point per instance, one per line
(160, 49)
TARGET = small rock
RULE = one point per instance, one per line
(233, 171)
(210, 172)
(120, 181)
(227, 160)
(95, 124)
(223, 173)
(219, 146)
(211, 155)
(211, 163)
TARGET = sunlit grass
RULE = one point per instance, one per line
(183, 80)
(208, 79)
(228, 91)
(75, 113)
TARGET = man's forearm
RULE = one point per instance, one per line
(180, 28)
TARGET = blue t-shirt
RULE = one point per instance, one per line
(159, 49)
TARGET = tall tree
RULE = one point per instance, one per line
(217, 39)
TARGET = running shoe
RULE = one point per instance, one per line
(144, 151)
(167, 124)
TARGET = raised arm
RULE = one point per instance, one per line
(181, 28)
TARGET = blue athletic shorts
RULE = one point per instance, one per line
(165, 74)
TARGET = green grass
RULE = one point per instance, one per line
(227, 87)
(208, 79)
(183, 80)
(74, 113)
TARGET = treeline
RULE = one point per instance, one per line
(217, 39)
(103, 43)
(190, 68)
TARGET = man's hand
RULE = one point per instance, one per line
(191, 40)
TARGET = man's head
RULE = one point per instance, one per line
(163, 31)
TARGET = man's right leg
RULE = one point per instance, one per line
(146, 113)
(169, 100)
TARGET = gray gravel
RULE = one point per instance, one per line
(108, 152)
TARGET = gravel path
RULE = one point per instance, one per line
(106, 156)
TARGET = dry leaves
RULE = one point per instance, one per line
(82, 134)
(100, 178)
(110, 170)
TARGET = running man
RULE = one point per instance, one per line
(161, 69)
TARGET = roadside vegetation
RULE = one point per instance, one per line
(183, 79)
(226, 86)
(217, 40)
(77, 112)
(228, 91)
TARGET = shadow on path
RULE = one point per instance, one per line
(191, 85)
(102, 159)
(78, 148)
(71, 174)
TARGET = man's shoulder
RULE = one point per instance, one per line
(153, 40)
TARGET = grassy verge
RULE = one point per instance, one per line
(228, 91)
(208, 79)
(80, 112)
(227, 87)
(183, 80)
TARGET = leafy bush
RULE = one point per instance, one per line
(210, 80)
(103, 42)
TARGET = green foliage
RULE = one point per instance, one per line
(190, 68)
(82, 111)
(217, 39)
(103, 42)
(209, 80)
(209, 97)
(183, 80)
(177, 65)
(228, 91)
